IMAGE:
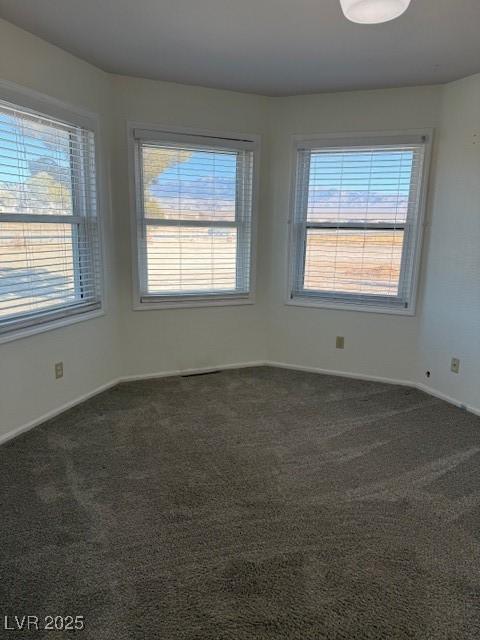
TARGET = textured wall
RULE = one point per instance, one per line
(450, 310)
(375, 344)
(167, 340)
(88, 349)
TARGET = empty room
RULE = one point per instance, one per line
(240, 319)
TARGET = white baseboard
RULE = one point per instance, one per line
(359, 376)
(55, 412)
(162, 374)
(443, 396)
(238, 365)
(340, 374)
(191, 372)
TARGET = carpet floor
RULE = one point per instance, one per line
(254, 504)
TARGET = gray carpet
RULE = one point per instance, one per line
(251, 504)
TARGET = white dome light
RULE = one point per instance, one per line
(373, 11)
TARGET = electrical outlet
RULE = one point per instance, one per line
(58, 370)
(340, 342)
(455, 366)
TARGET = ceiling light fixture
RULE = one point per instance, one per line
(373, 11)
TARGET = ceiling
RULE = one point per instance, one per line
(271, 47)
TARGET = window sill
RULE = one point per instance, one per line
(190, 303)
(50, 326)
(319, 303)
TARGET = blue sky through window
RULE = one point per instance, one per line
(203, 174)
(373, 185)
(31, 149)
(189, 183)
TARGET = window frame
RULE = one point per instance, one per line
(169, 135)
(70, 115)
(326, 300)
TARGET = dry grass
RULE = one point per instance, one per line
(353, 261)
(191, 259)
(196, 259)
(35, 256)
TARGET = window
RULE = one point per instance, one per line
(357, 222)
(194, 218)
(49, 236)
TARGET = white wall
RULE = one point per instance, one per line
(450, 310)
(375, 344)
(177, 339)
(126, 342)
(88, 349)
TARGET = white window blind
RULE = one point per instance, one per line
(357, 221)
(49, 238)
(194, 220)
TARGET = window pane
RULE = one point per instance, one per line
(36, 267)
(194, 229)
(358, 262)
(35, 165)
(188, 184)
(47, 175)
(358, 186)
(357, 221)
(191, 259)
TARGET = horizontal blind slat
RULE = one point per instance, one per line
(356, 213)
(194, 231)
(49, 236)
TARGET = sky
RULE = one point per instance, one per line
(342, 183)
(36, 147)
(203, 174)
